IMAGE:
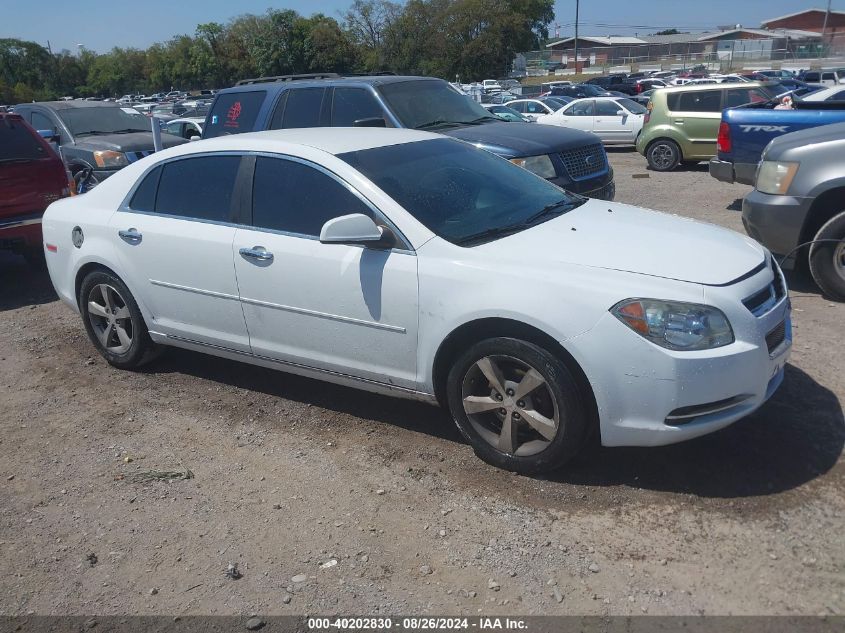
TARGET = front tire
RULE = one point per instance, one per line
(114, 322)
(827, 259)
(663, 155)
(518, 405)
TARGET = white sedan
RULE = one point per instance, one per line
(615, 120)
(408, 263)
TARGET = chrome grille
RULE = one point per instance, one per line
(584, 162)
(766, 298)
(776, 336)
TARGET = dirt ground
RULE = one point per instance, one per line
(331, 500)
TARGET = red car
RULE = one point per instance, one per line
(31, 177)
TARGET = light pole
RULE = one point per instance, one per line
(577, 2)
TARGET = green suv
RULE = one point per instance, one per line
(682, 123)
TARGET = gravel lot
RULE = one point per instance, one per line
(335, 501)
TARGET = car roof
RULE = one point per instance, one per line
(282, 84)
(334, 140)
(70, 105)
(697, 87)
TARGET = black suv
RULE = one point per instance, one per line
(571, 159)
(103, 137)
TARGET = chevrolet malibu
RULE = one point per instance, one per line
(406, 263)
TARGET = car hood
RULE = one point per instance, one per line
(514, 140)
(134, 142)
(626, 238)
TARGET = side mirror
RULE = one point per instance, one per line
(49, 135)
(194, 138)
(621, 113)
(355, 228)
(375, 121)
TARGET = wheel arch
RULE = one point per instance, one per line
(665, 137)
(824, 207)
(87, 269)
(467, 334)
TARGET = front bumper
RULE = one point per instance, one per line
(725, 171)
(651, 396)
(775, 221)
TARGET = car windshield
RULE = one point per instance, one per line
(592, 91)
(554, 104)
(428, 105)
(104, 120)
(632, 106)
(465, 195)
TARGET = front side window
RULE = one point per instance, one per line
(198, 188)
(740, 96)
(41, 122)
(463, 194)
(519, 106)
(293, 197)
(234, 113)
(535, 108)
(607, 108)
(353, 104)
(632, 106)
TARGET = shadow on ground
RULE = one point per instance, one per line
(21, 285)
(794, 438)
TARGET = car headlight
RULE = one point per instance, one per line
(108, 158)
(774, 177)
(540, 165)
(675, 325)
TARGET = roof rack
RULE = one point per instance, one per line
(380, 73)
(267, 80)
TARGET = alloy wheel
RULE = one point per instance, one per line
(110, 319)
(510, 405)
(663, 156)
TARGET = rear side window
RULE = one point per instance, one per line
(700, 101)
(296, 198)
(17, 142)
(145, 195)
(198, 188)
(581, 108)
(234, 113)
(303, 108)
(352, 104)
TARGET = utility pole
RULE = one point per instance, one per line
(577, 2)
(824, 24)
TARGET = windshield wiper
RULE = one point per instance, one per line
(91, 133)
(487, 234)
(555, 208)
(129, 130)
(481, 120)
(425, 126)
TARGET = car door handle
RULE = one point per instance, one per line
(257, 252)
(130, 236)
(679, 121)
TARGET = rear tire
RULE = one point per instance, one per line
(663, 155)
(518, 405)
(827, 259)
(114, 322)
